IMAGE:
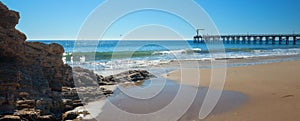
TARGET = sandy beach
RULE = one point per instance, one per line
(273, 91)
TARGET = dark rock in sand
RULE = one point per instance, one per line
(128, 76)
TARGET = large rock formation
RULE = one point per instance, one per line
(31, 74)
(35, 84)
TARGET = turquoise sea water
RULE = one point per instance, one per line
(142, 53)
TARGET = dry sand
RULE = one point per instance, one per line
(273, 91)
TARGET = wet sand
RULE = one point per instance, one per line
(122, 105)
(273, 91)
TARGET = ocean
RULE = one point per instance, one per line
(111, 54)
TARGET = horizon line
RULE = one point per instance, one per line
(108, 39)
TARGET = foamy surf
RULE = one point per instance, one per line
(178, 52)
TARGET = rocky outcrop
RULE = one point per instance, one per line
(32, 74)
(127, 76)
(87, 82)
(35, 84)
(91, 87)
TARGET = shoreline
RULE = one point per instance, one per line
(271, 89)
(237, 62)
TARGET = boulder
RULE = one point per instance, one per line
(127, 76)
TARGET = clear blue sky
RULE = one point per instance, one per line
(62, 19)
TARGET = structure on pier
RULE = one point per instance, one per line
(249, 38)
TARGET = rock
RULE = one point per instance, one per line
(25, 104)
(135, 77)
(24, 95)
(45, 118)
(67, 101)
(128, 76)
(10, 118)
(55, 49)
(29, 114)
(70, 115)
(32, 74)
(107, 92)
(35, 84)
(6, 109)
(68, 77)
(9, 19)
(84, 78)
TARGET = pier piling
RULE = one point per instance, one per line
(280, 40)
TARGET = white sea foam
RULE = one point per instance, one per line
(165, 57)
(178, 52)
(277, 52)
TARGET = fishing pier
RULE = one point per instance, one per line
(250, 38)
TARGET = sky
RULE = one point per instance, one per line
(62, 19)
